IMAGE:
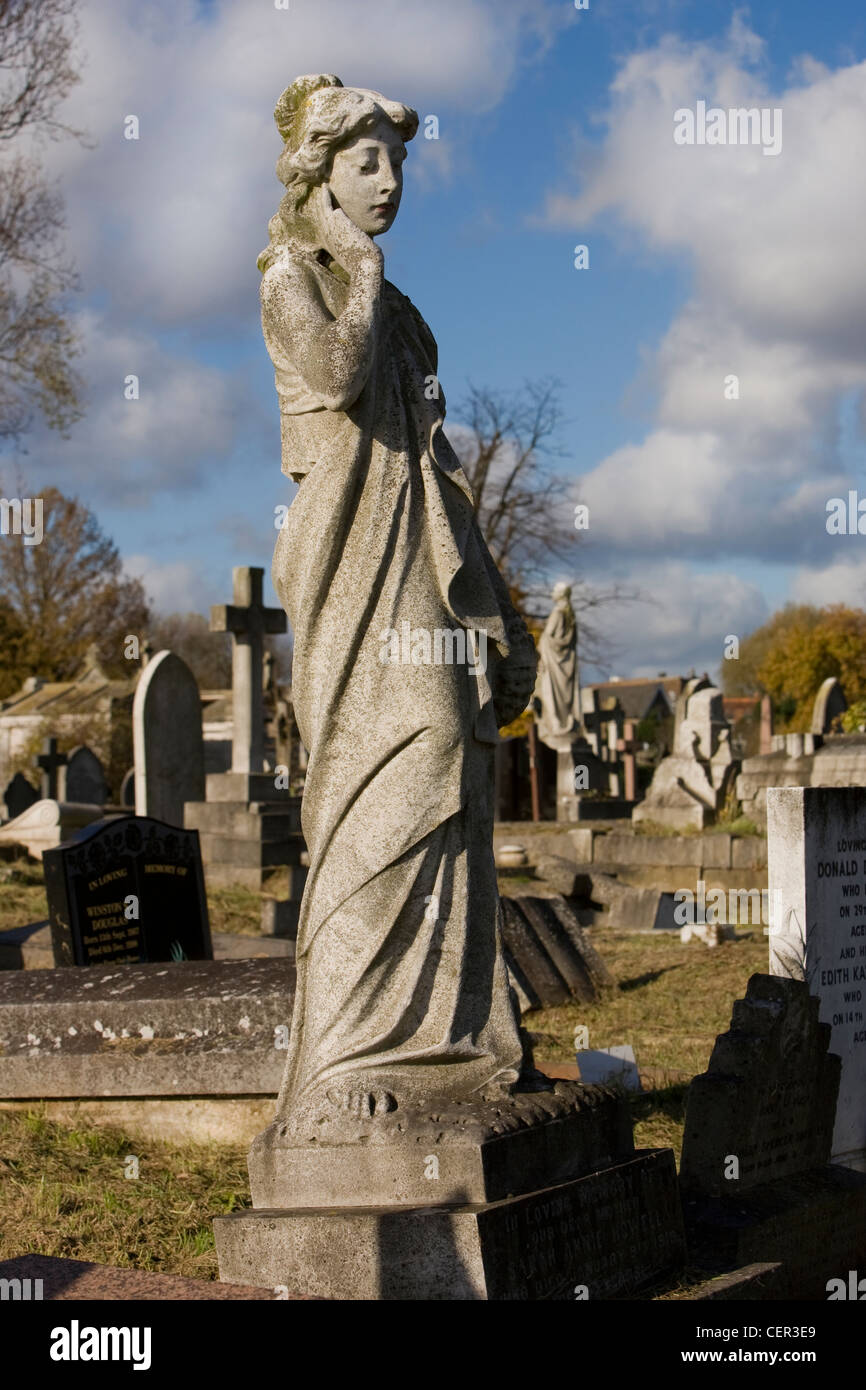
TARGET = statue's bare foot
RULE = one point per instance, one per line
(361, 1103)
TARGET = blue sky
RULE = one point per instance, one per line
(555, 129)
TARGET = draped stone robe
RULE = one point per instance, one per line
(400, 978)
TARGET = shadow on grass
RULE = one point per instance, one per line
(668, 1100)
(648, 978)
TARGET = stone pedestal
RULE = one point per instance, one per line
(578, 769)
(247, 827)
(525, 1198)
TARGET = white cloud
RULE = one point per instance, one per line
(175, 587)
(683, 622)
(778, 299)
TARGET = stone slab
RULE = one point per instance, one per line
(195, 1028)
(612, 1232)
(478, 1152)
(29, 948)
(57, 1280)
(250, 786)
(529, 961)
(176, 1119)
(813, 1225)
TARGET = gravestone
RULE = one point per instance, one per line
(168, 741)
(127, 789)
(755, 1175)
(830, 702)
(127, 890)
(816, 852)
(83, 778)
(248, 621)
(249, 822)
(768, 1096)
(19, 796)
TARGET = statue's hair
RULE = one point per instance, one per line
(316, 116)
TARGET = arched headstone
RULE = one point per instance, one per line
(19, 796)
(84, 779)
(167, 738)
(830, 702)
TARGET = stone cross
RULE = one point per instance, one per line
(248, 621)
(627, 746)
(50, 761)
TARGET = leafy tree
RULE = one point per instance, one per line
(792, 654)
(742, 677)
(37, 344)
(68, 592)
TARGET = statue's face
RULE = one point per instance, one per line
(367, 178)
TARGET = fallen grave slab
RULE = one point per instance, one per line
(184, 1048)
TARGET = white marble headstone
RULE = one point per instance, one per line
(817, 879)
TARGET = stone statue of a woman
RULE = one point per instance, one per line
(402, 993)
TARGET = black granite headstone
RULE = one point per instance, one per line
(129, 889)
(19, 796)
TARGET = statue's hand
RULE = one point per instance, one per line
(348, 245)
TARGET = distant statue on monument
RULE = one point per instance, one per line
(557, 689)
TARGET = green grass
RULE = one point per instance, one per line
(22, 894)
(63, 1191)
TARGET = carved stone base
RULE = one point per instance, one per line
(459, 1152)
(600, 1236)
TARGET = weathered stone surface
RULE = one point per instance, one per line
(397, 812)
(768, 1097)
(817, 879)
(194, 1028)
(63, 1280)
(478, 1152)
(612, 1231)
(46, 824)
(29, 948)
(750, 853)
(689, 787)
(248, 621)
(209, 1119)
(563, 876)
(529, 961)
(168, 741)
(598, 977)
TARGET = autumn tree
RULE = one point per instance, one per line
(790, 656)
(68, 592)
(37, 342)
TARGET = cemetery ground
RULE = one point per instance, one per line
(65, 1189)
